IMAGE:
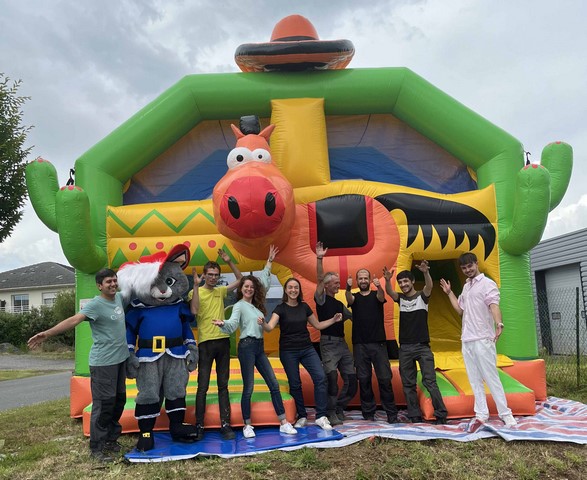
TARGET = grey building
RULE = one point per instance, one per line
(559, 271)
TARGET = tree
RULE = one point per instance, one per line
(12, 156)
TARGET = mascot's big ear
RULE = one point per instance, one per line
(179, 254)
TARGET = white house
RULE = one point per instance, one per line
(34, 286)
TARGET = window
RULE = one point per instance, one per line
(20, 303)
(49, 298)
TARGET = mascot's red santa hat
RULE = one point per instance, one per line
(137, 278)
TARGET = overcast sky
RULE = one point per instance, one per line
(89, 66)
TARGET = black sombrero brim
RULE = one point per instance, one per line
(294, 55)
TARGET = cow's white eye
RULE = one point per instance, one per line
(239, 156)
(261, 155)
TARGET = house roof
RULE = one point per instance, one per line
(46, 274)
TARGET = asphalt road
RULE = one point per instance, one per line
(32, 390)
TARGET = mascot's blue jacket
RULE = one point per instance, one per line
(151, 325)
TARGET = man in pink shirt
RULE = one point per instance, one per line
(478, 304)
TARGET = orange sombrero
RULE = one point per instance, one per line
(294, 46)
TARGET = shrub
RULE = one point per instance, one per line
(17, 328)
(11, 328)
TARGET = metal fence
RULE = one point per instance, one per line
(562, 334)
(23, 308)
(15, 308)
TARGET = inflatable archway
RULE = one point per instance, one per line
(383, 167)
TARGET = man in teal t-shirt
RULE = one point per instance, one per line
(108, 355)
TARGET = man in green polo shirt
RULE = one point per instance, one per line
(108, 355)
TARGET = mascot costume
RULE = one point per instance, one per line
(158, 325)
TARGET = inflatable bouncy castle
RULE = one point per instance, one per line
(378, 164)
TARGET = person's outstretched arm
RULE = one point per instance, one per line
(61, 327)
(265, 277)
(380, 292)
(445, 285)
(388, 274)
(271, 324)
(425, 269)
(350, 298)
(320, 252)
(237, 273)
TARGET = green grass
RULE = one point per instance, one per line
(564, 379)
(16, 374)
(43, 442)
(60, 352)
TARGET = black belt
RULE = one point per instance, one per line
(332, 337)
(160, 343)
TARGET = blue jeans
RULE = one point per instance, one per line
(291, 360)
(251, 354)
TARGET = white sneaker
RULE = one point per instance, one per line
(323, 423)
(287, 429)
(509, 420)
(301, 422)
(249, 431)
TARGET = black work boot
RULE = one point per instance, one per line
(100, 456)
(227, 432)
(199, 431)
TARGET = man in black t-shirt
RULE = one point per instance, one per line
(369, 345)
(414, 339)
(334, 350)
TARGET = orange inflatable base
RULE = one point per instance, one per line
(396, 384)
(532, 374)
(262, 413)
(524, 382)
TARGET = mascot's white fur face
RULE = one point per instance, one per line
(153, 283)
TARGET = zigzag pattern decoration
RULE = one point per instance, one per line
(198, 259)
(131, 230)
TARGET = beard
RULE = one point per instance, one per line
(364, 287)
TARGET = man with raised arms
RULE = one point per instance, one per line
(369, 345)
(414, 339)
(336, 356)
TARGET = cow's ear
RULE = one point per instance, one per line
(237, 133)
(267, 131)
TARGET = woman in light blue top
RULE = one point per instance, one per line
(246, 314)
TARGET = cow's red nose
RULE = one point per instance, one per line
(252, 207)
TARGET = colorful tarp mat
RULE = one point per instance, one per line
(267, 438)
(556, 420)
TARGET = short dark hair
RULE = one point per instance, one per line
(301, 295)
(210, 265)
(104, 273)
(467, 258)
(406, 274)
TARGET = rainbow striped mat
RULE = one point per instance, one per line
(556, 420)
